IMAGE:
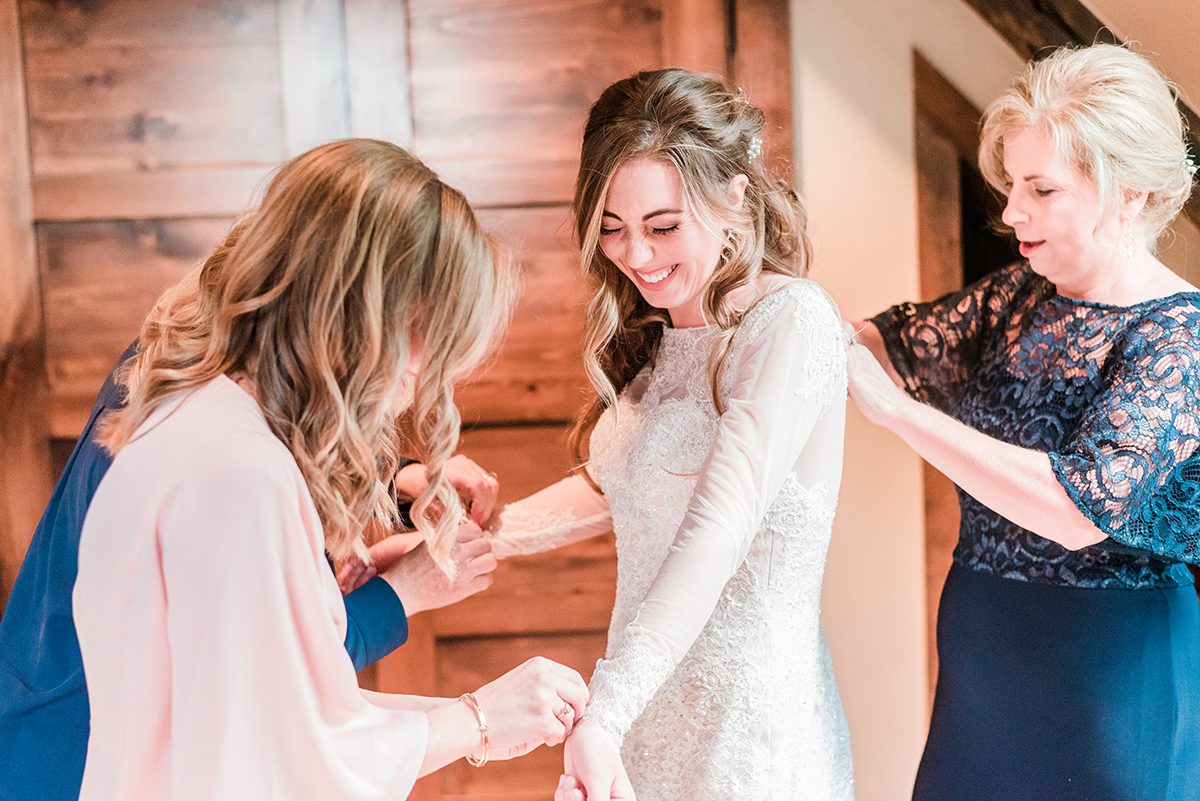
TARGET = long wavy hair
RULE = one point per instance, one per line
(710, 134)
(356, 255)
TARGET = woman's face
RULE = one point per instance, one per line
(1057, 215)
(652, 235)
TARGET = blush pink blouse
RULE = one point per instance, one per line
(211, 626)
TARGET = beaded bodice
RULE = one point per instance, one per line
(751, 710)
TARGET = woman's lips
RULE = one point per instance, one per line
(1027, 248)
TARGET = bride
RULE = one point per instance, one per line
(713, 448)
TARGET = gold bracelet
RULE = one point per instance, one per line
(481, 760)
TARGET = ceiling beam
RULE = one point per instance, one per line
(1034, 27)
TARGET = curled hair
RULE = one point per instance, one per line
(710, 135)
(1111, 115)
(357, 255)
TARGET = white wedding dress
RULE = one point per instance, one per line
(717, 682)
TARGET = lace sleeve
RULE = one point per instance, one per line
(788, 368)
(558, 515)
(934, 345)
(1132, 465)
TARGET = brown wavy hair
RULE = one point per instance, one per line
(710, 134)
(357, 254)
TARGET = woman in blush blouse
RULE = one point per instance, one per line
(1062, 396)
(267, 403)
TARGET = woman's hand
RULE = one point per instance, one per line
(477, 487)
(533, 704)
(592, 768)
(872, 389)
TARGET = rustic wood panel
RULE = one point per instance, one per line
(25, 476)
(194, 192)
(133, 109)
(100, 279)
(313, 73)
(377, 67)
(467, 664)
(52, 24)
(1032, 27)
(696, 35)
(500, 90)
(538, 374)
(762, 66)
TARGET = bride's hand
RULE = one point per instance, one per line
(593, 768)
(873, 391)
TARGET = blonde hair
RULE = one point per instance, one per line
(710, 134)
(1111, 115)
(357, 255)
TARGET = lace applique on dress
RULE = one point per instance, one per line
(752, 709)
(519, 532)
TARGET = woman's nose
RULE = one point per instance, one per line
(637, 251)
(1012, 213)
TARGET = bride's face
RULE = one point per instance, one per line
(651, 233)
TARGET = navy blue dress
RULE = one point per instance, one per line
(1067, 675)
(44, 719)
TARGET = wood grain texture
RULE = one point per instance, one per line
(941, 105)
(99, 109)
(193, 192)
(762, 67)
(100, 279)
(377, 70)
(312, 73)
(500, 90)
(538, 373)
(25, 477)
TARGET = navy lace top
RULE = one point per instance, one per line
(1111, 393)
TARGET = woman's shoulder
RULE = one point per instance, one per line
(805, 301)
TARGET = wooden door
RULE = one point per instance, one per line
(152, 122)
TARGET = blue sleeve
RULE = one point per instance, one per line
(1133, 465)
(376, 623)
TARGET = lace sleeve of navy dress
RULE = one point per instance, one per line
(788, 366)
(934, 345)
(1132, 465)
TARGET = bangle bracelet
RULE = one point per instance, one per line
(481, 760)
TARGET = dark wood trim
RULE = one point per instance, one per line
(942, 105)
(1033, 27)
(762, 66)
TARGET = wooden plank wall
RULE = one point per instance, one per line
(152, 123)
(24, 452)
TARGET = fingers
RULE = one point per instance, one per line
(479, 487)
(354, 574)
(569, 789)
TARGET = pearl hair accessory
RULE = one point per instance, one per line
(754, 149)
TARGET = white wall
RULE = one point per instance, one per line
(854, 126)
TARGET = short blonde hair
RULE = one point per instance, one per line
(1111, 115)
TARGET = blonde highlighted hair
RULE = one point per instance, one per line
(710, 135)
(356, 255)
(1111, 115)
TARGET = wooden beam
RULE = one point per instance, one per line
(1034, 27)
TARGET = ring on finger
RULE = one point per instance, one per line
(564, 711)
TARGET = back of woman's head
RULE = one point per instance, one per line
(356, 256)
(710, 135)
(1111, 115)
